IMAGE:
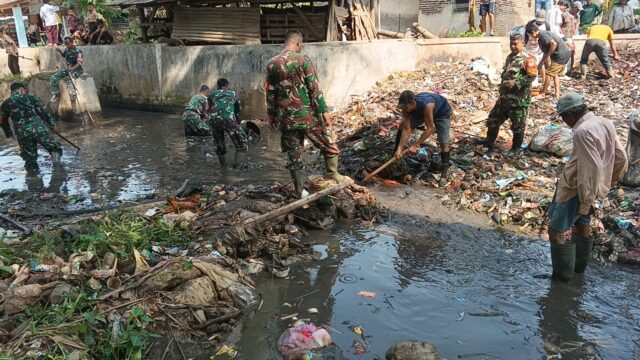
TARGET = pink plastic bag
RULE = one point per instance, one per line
(295, 342)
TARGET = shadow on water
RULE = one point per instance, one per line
(473, 293)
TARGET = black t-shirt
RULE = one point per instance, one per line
(562, 55)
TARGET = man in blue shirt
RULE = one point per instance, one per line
(434, 112)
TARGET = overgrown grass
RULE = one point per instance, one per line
(10, 78)
(78, 322)
(118, 232)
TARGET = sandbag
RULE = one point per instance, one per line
(295, 342)
(632, 177)
(553, 139)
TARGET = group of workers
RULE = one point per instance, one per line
(296, 106)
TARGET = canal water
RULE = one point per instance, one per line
(473, 292)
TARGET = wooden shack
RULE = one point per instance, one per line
(195, 22)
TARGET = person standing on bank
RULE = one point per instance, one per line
(515, 95)
(597, 161)
(434, 112)
(556, 55)
(597, 36)
(622, 18)
(50, 20)
(296, 105)
(488, 16)
(12, 52)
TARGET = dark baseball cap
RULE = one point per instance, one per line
(406, 97)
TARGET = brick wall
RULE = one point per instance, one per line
(509, 13)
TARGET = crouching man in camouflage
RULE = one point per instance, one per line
(296, 106)
(32, 123)
(224, 118)
(196, 113)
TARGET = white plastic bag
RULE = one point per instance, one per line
(295, 342)
(553, 139)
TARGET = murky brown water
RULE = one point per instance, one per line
(431, 280)
(133, 155)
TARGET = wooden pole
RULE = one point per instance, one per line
(24, 229)
(298, 203)
(391, 34)
(424, 32)
(384, 166)
(306, 21)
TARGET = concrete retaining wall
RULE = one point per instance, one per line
(161, 78)
(158, 77)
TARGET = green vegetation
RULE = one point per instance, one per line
(10, 78)
(118, 232)
(133, 35)
(102, 6)
(77, 325)
(470, 34)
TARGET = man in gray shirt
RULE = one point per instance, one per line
(556, 55)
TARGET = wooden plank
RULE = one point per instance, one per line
(305, 20)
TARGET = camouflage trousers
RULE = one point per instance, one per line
(29, 145)
(501, 112)
(238, 137)
(59, 75)
(194, 126)
(292, 142)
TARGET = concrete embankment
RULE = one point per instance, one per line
(162, 78)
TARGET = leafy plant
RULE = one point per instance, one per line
(133, 35)
(102, 7)
(470, 34)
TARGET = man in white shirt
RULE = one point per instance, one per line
(50, 21)
(554, 18)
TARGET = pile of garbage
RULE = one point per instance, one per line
(180, 267)
(509, 189)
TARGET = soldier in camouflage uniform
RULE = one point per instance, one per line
(32, 124)
(196, 113)
(224, 117)
(296, 106)
(515, 95)
(74, 59)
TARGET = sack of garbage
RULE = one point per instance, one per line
(296, 342)
(632, 177)
(553, 139)
(483, 66)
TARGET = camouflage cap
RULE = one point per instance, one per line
(516, 36)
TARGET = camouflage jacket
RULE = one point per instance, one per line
(72, 57)
(224, 104)
(515, 69)
(199, 105)
(27, 113)
(293, 91)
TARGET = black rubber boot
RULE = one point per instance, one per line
(584, 247)
(516, 147)
(444, 176)
(223, 160)
(490, 140)
(240, 160)
(563, 261)
(298, 185)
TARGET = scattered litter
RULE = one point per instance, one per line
(367, 294)
(296, 342)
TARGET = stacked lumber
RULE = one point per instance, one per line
(363, 26)
(311, 22)
(222, 25)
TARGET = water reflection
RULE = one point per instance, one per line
(470, 292)
(133, 155)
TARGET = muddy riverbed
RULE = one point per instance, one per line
(439, 275)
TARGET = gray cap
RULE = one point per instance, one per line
(578, 4)
(569, 101)
(541, 15)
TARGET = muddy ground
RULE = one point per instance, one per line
(440, 275)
